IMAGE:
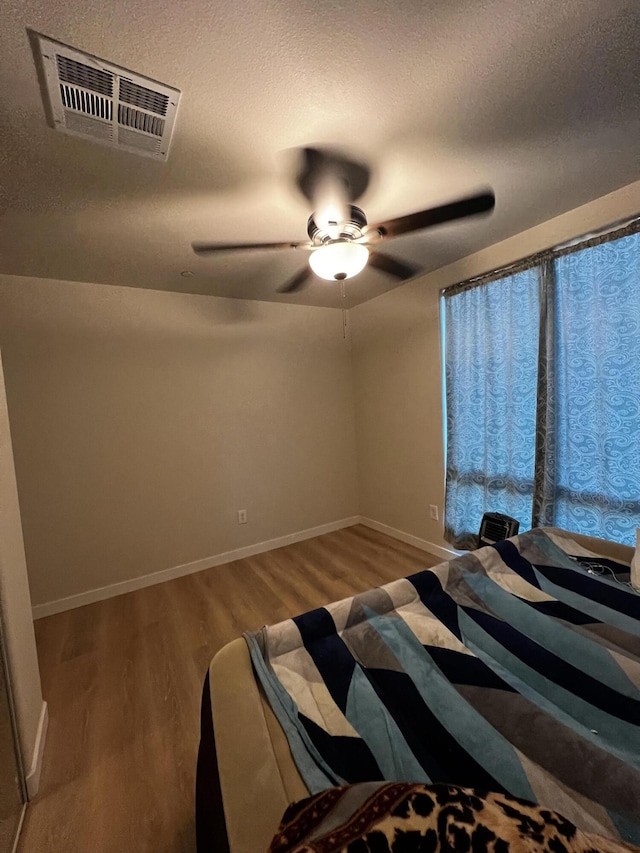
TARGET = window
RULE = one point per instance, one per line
(542, 387)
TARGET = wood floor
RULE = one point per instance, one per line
(123, 680)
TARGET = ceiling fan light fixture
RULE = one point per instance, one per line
(339, 260)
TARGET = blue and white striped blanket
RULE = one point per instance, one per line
(509, 669)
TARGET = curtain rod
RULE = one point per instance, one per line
(618, 230)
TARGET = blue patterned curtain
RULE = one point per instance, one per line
(597, 390)
(491, 352)
(543, 395)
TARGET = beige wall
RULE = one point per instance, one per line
(15, 601)
(143, 420)
(397, 373)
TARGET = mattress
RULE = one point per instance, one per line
(246, 774)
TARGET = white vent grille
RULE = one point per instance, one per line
(141, 141)
(139, 96)
(86, 102)
(128, 117)
(78, 74)
(85, 126)
(92, 98)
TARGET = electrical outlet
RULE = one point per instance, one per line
(433, 511)
(242, 516)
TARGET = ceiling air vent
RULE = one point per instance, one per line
(92, 98)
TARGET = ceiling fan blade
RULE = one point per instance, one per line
(319, 165)
(392, 266)
(212, 248)
(435, 215)
(296, 282)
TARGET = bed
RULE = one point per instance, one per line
(513, 668)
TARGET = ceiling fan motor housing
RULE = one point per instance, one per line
(351, 228)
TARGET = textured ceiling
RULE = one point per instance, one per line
(538, 99)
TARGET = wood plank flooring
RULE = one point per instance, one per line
(123, 679)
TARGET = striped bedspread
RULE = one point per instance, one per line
(510, 669)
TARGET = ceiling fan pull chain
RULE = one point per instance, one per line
(344, 311)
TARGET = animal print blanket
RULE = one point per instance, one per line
(404, 818)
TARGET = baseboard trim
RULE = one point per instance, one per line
(16, 840)
(48, 608)
(33, 776)
(410, 539)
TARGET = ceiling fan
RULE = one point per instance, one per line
(341, 241)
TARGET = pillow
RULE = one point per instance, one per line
(635, 564)
(390, 817)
